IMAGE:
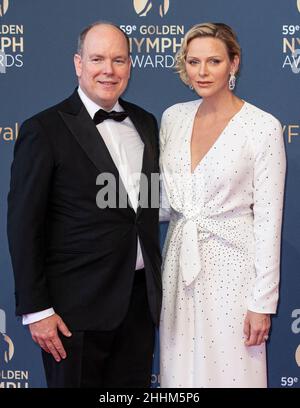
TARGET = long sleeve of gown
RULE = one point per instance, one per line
(269, 178)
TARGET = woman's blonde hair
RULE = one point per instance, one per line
(215, 30)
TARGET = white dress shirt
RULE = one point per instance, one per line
(126, 150)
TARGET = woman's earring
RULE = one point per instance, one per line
(231, 82)
(191, 87)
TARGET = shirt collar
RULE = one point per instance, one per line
(92, 107)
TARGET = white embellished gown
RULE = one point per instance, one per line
(222, 250)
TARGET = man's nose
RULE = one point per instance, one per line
(108, 67)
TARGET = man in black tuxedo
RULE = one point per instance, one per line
(87, 274)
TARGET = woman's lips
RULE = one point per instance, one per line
(204, 84)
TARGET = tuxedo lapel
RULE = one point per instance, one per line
(87, 135)
(148, 155)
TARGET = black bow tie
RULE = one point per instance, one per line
(102, 115)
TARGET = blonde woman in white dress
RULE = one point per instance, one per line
(223, 169)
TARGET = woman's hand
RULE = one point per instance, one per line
(256, 328)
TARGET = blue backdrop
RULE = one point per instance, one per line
(37, 42)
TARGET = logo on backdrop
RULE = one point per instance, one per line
(3, 7)
(291, 45)
(6, 344)
(11, 43)
(153, 45)
(9, 378)
(143, 7)
(291, 131)
(297, 355)
(296, 330)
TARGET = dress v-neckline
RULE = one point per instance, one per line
(215, 142)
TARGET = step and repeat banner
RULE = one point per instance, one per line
(37, 42)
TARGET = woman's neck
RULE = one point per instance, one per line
(220, 106)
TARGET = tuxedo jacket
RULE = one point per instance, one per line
(66, 252)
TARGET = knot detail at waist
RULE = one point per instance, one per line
(196, 229)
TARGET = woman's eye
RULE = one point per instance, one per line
(193, 62)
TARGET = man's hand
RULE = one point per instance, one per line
(45, 334)
(256, 328)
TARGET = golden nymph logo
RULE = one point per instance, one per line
(3, 7)
(143, 7)
(296, 330)
(297, 355)
(6, 345)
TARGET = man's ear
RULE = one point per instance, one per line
(129, 67)
(78, 64)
